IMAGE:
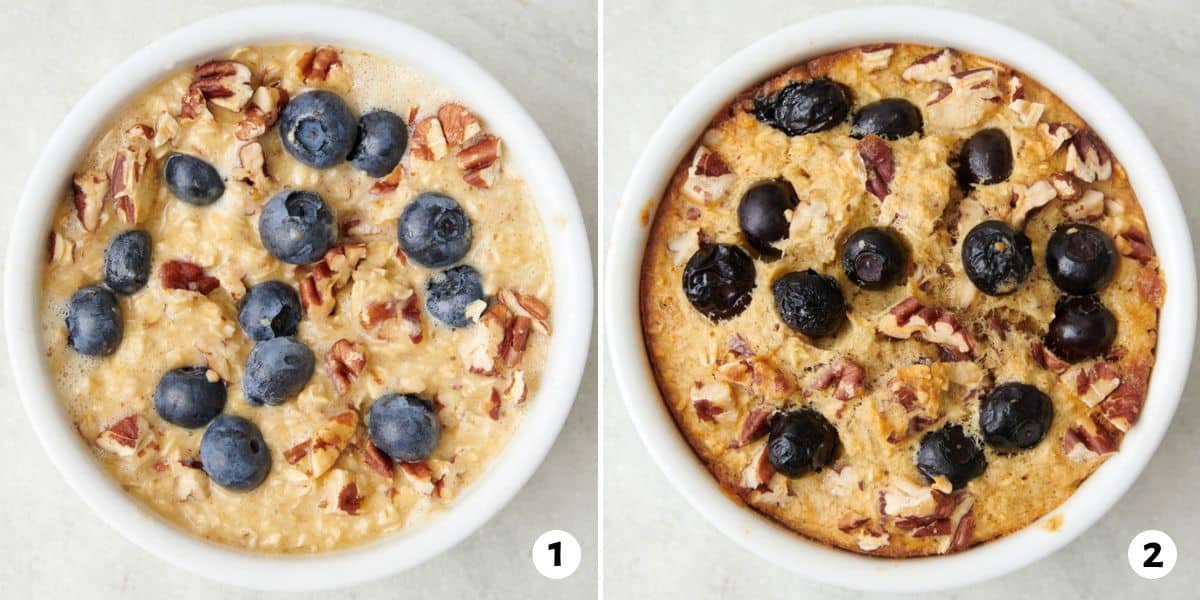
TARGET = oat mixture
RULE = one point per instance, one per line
(901, 299)
(369, 320)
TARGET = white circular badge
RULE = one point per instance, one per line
(1152, 554)
(556, 554)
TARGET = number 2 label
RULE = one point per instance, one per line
(1152, 554)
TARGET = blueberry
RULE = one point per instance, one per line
(1082, 328)
(950, 453)
(434, 230)
(297, 227)
(996, 258)
(187, 398)
(986, 158)
(873, 258)
(317, 129)
(890, 119)
(405, 427)
(271, 309)
(94, 325)
(805, 107)
(1015, 416)
(234, 454)
(192, 179)
(127, 262)
(801, 441)
(1080, 258)
(761, 214)
(718, 280)
(449, 292)
(382, 137)
(276, 371)
(809, 302)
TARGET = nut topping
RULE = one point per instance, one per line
(1028, 199)
(88, 189)
(225, 83)
(133, 179)
(480, 161)
(934, 325)
(876, 58)
(329, 440)
(345, 361)
(252, 170)
(1089, 440)
(428, 139)
(1088, 158)
(377, 461)
(388, 183)
(1089, 206)
(1093, 384)
(183, 275)
(458, 124)
(125, 437)
(315, 64)
(879, 164)
(969, 97)
(842, 374)
(1055, 135)
(712, 400)
(331, 274)
(708, 177)
(933, 67)
(262, 112)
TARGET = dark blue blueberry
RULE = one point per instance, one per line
(719, 280)
(127, 262)
(996, 258)
(805, 107)
(276, 371)
(317, 129)
(873, 258)
(434, 230)
(297, 227)
(801, 441)
(271, 309)
(192, 179)
(1082, 328)
(449, 292)
(809, 302)
(761, 214)
(234, 454)
(1080, 258)
(890, 119)
(949, 452)
(405, 427)
(382, 137)
(94, 325)
(1015, 416)
(187, 398)
(986, 158)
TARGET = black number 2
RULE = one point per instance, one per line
(557, 548)
(1151, 561)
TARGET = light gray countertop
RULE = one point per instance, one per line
(51, 544)
(1146, 53)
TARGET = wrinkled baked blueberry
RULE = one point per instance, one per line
(297, 227)
(986, 158)
(1082, 328)
(270, 309)
(192, 179)
(434, 230)
(1080, 258)
(890, 119)
(951, 453)
(996, 258)
(234, 454)
(801, 441)
(873, 258)
(760, 214)
(805, 107)
(809, 302)
(382, 137)
(94, 325)
(1015, 416)
(187, 397)
(317, 128)
(276, 371)
(127, 261)
(449, 292)
(404, 427)
(718, 279)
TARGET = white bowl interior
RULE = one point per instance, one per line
(551, 192)
(934, 27)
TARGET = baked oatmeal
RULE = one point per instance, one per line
(296, 298)
(901, 299)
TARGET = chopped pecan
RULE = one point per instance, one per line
(962, 525)
(1089, 440)
(683, 246)
(377, 461)
(374, 315)
(88, 191)
(1089, 207)
(420, 476)
(1067, 187)
(1135, 245)
(165, 130)
(125, 437)
(345, 361)
(516, 390)
(225, 83)
(738, 346)
(938, 66)
(760, 376)
(757, 475)
(132, 178)
(1043, 357)
(480, 161)
(329, 440)
(388, 183)
(1088, 158)
(319, 288)
(708, 177)
(842, 374)
(252, 170)
(756, 425)
(458, 124)
(295, 453)
(494, 405)
(841, 481)
(934, 325)
(262, 112)
(358, 228)
(876, 58)
(59, 249)
(1123, 406)
(192, 105)
(904, 498)
(315, 64)
(525, 305)
(1056, 134)
(428, 139)
(1028, 113)
(969, 97)
(711, 400)
(348, 499)
(183, 275)
(879, 163)
(1093, 383)
(1027, 199)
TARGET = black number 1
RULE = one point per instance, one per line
(1154, 548)
(557, 548)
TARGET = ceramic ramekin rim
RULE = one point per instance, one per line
(935, 27)
(551, 191)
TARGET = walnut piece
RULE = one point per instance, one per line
(345, 361)
(708, 177)
(88, 191)
(225, 83)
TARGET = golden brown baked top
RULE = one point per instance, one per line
(911, 361)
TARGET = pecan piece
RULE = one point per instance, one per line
(1135, 245)
(1056, 134)
(938, 66)
(1123, 406)
(345, 361)
(376, 314)
(377, 461)
(261, 113)
(252, 169)
(876, 58)
(88, 191)
(348, 499)
(711, 400)
(319, 288)
(842, 374)
(756, 425)
(428, 139)
(1088, 207)
(879, 163)
(315, 64)
(708, 177)
(59, 249)
(1027, 199)
(193, 106)
(125, 437)
(934, 325)
(1089, 440)
(1088, 158)
(132, 178)
(329, 440)
(225, 83)
(480, 161)
(1093, 384)
(183, 275)
(458, 124)
(388, 183)
(968, 98)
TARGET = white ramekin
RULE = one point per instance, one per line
(937, 28)
(551, 192)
